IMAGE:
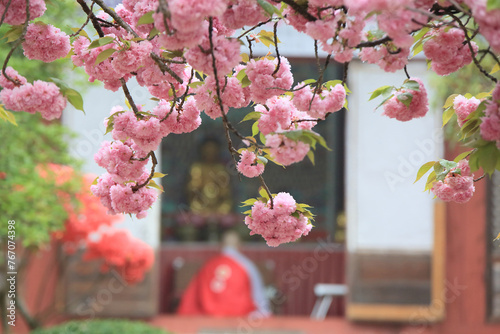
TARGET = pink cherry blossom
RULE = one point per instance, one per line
(264, 80)
(249, 165)
(456, 187)
(447, 51)
(464, 107)
(16, 14)
(418, 107)
(280, 224)
(45, 42)
(286, 151)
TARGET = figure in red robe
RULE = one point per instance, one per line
(227, 285)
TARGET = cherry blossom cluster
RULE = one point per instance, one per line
(319, 103)
(250, 165)
(16, 13)
(464, 107)
(490, 125)
(45, 42)
(280, 223)
(447, 51)
(398, 107)
(40, 96)
(458, 185)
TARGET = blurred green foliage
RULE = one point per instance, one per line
(109, 326)
(26, 197)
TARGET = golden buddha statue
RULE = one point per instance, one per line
(208, 189)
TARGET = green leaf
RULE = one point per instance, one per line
(443, 167)
(430, 181)
(384, 91)
(245, 57)
(196, 84)
(332, 83)
(73, 96)
(7, 116)
(101, 42)
(255, 129)
(262, 160)
(411, 84)
(267, 37)
(449, 101)
(243, 78)
(249, 202)
(95, 181)
(153, 184)
(405, 98)
(104, 55)
(483, 95)
(159, 175)
(253, 115)
(447, 115)
(294, 135)
(318, 137)
(462, 156)
(75, 99)
(81, 33)
(310, 155)
(146, 18)
(268, 8)
(495, 68)
(13, 33)
(492, 4)
(263, 193)
(487, 157)
(424, 169)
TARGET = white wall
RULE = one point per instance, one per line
(385, 210)
(90, 129)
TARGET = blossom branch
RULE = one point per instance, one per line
(93, 18)
(16, 45)
(469, 44)
(275, 28)
(164, 68)
(300, 9)
(254, 27)
(153, 167)
(5, 12)
(266, 188)
(480, 178)
(89, 14)
(115, 17)
(129, 97)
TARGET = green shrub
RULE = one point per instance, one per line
(104, 326)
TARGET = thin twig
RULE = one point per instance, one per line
(115, 17)
(129, 97)
(5, 12)
(93, 18)
(16, 45)
(406, 72)
(90, 13)
(163, 67)
(480, 178)
(276, 47)
(254, 27)
(145, 183)
(471, 49)
(266, 188)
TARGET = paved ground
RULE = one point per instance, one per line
(274, 325)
